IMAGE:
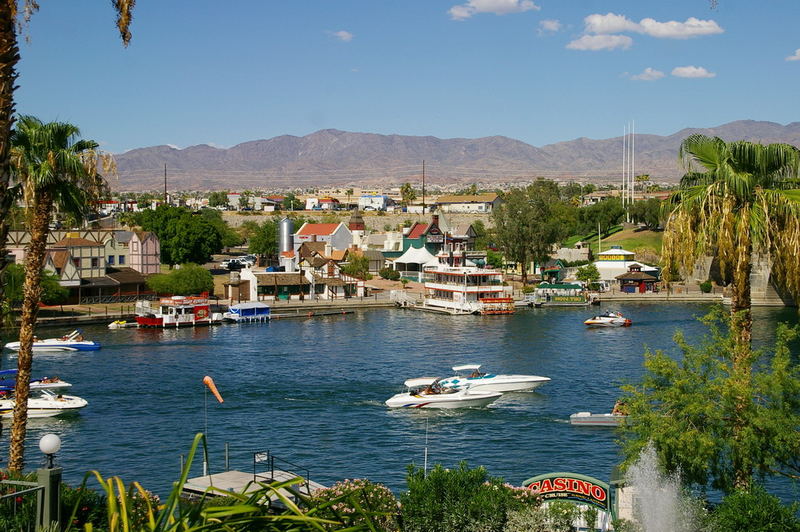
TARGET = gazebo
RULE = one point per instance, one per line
(410, 263)
(635, 280)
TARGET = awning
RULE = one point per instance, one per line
(416, 256)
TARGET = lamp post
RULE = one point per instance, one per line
(49, 478)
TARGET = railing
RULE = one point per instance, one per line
(116, 299)
(266, 457)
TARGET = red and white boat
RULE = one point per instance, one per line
(176, 311)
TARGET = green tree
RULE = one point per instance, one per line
(230, 238)
(187, 280)
(13, 16)
(407, 194)
(53, 168)
(588, 274)
(481, 234)
(184, 237)
(736, 199)
(357, 265)
(690, 407)
(14, 278)
(264, 240)
(218, 198)
(647, 212)
(605, 214)
(349, 193)
(292, 203)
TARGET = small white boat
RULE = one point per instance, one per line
(596, 420)
(528, 300)
(469, 375)
(608, 319)
(73, 341)
(426, 392)
(8, 381)
(122, 324)
(247, 312)
(47, 404)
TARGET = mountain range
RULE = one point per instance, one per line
(339, 158)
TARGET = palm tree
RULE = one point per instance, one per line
(10, 11)
(736, 199)
(52, 168)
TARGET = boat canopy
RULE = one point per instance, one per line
(420, 381)
(467, 367)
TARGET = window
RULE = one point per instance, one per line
(111, 260)
(95, 262)
(76, 263)
(134, 246)
(121, 260)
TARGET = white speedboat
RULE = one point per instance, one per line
(426, 392)
(469, 375)
(608, 319)
(247, 312)
(48, 404)
(596, 420)
(8, 381)
(73, 341)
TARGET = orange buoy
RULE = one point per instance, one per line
(208, 381)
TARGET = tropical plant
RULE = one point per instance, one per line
(407, 193)
(52, 168)
(755, 511)
(14, 15)
(375, 498)
(14, 278)
(218, 198)
(389, 273)
(357, 265)
(736, 199)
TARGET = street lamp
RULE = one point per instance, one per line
(50, 444)
(49, 478)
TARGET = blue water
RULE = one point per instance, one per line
(312, 392)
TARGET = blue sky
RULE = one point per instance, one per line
(542, 71)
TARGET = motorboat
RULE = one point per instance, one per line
(469, 375)
(246, 312)
(8, 381)
(427, 392)
(529, 300)
(176, 311)
(596, 420)
(608, 319)
(122, 324)
(73, 341)
(48, 404)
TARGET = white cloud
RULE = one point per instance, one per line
(649, 74)
(601, 42)
(613, 23)
(795, 57)
(498, 7)
(692, 72)
(549, 26)
(342, 35)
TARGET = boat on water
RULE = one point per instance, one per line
(596, 420)
(427, 392)
(73, 341)
(176, 311)
(8, 381)
(454, 286)
(247, 312)
(529, 300)
(608, 319)
(47, 404)
(122, 324)
(470, 376)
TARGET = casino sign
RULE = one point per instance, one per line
(573, 487)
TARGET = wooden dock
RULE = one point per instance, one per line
(241, 482)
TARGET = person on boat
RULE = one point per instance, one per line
(36, 338)
(475, 374)
(79, 338)
(620, 409)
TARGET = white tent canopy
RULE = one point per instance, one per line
(415, 256)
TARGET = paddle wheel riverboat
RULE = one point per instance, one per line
(176, 311)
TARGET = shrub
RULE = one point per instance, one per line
(83, 506)
(353, 497)
(460, 499)
(390, 274)
(755, 511)
(528, 289)
(705, 287)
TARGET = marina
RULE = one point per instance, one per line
(313, 392)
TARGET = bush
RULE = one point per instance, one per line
(460, 499)
(352, 498)
(755, 511)
(705, 287)
(390, 274)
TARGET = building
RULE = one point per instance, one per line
(375, 202)
(617, 261)
(336, 234)
(472, 203)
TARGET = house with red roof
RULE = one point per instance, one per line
(337, 235)
(421, 234)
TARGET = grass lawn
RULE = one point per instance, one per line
(629, 239)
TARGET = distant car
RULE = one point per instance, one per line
(231, 264)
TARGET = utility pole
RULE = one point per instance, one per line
(165, 183)
(423, 186)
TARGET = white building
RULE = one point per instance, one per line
(376, 202)
(337, 235)
(470, 203)
(617, 261)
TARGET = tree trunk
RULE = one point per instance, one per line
(32, 292)
(741, 329)
(9, 56)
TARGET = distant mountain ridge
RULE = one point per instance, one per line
(337, 158)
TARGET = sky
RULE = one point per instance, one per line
(540, 71)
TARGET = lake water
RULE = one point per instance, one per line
(312, 392)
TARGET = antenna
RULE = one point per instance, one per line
(165, 183)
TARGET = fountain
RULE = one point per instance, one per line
(658, 502)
